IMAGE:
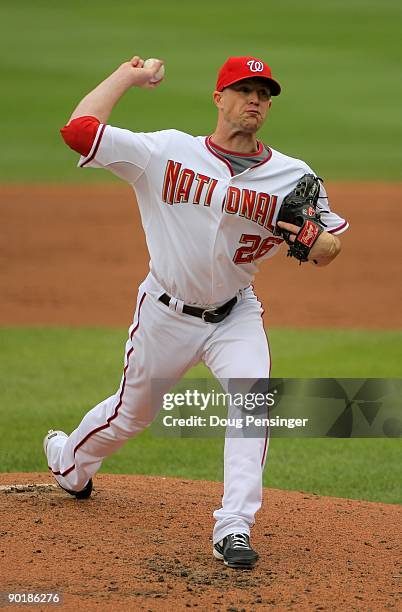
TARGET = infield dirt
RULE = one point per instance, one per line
(144, 543)
(75, 255)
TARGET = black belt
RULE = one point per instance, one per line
(209, 315)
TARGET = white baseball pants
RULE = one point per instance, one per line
(163, 344)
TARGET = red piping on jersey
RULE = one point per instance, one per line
(336, 229)
(225, 161)
(96, 147)
(116, 410)
(211, 150)
(265, 453)
(263, 161)
(215, 146)
(269, 376)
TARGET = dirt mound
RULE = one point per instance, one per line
(144, 543)
(74, 255)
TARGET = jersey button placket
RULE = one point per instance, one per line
(215, 231)
(219, 258)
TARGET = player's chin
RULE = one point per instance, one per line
(252, 123)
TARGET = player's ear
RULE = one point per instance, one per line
(217, 97)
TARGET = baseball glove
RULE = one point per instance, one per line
(300, 208)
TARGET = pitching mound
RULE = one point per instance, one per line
(144, 543)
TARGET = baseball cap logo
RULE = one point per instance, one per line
(245, 67)
(255, 65)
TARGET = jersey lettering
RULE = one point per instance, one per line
(178, 183)
(247, 203)
(170, 181)
(210, 191)
(202, 180)
(262, 208)
(257, 207)
(268, 223)
(232, 200)
(182, 185)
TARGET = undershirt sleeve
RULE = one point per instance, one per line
(80, 133)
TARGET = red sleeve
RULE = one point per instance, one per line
(80, 133)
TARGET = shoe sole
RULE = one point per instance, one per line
(85, 493)
(238, 565)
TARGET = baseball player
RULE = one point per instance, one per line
(209, 208)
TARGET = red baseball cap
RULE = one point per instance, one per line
(238, 68)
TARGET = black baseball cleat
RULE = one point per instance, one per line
(84, 493)
(235, 551)
(87, 490)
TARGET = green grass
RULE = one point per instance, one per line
(49, 377)
(338, 61)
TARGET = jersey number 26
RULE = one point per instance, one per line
(256, 247)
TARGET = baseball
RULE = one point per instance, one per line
(161, 72)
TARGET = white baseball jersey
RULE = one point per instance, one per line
(206, 230)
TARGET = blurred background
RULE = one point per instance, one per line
(338, 62)
(72, 251)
